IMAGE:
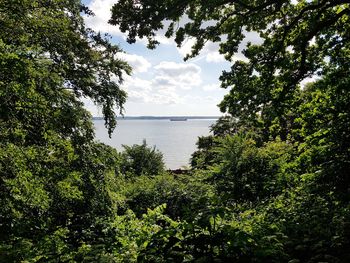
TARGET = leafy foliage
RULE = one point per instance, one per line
(181, 194)
(270, 185)
(45, 50)
(141, 160)
(299, 39)
(56, 183)
(286, 153)
(244, 172)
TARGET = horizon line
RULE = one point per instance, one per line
(162, 116)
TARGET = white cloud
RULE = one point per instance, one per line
(252, 37)
(211, 87)
(210, 51)
(186, 47)
(135, 83)
(148, 91)
(167, 81)
(154, 96)
(179, 75)
(197, 100)
(215, 57)
(174, 69)
(138, 63)
(99, 22)
(165, 96)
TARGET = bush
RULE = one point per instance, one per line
(245, 172)
(182, 194)
(141, 160)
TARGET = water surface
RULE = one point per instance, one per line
(175, 139)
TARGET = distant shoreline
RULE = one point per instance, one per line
(162, 117)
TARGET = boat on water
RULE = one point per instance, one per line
(178, 119)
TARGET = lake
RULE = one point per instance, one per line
(175, 139)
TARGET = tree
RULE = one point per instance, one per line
(46, 50)
(244, 172)
(55, 182)
(299, 39)
(141, 160)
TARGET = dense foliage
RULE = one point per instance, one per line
(271, 184)
(283, 149)
(56, 184)
(139, 160)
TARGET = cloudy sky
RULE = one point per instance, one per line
(162, 84)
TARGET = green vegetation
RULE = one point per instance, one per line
(271, 184)
(139, 160)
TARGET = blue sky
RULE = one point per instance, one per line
(162, 83)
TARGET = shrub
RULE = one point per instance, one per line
(141, 160)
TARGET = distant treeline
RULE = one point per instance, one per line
(163, 117)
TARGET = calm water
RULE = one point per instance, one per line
(175, 139)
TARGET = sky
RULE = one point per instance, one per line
(162, 84)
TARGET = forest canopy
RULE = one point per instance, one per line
(300, 39)
(47, 49)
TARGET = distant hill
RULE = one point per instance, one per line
(163, 117)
